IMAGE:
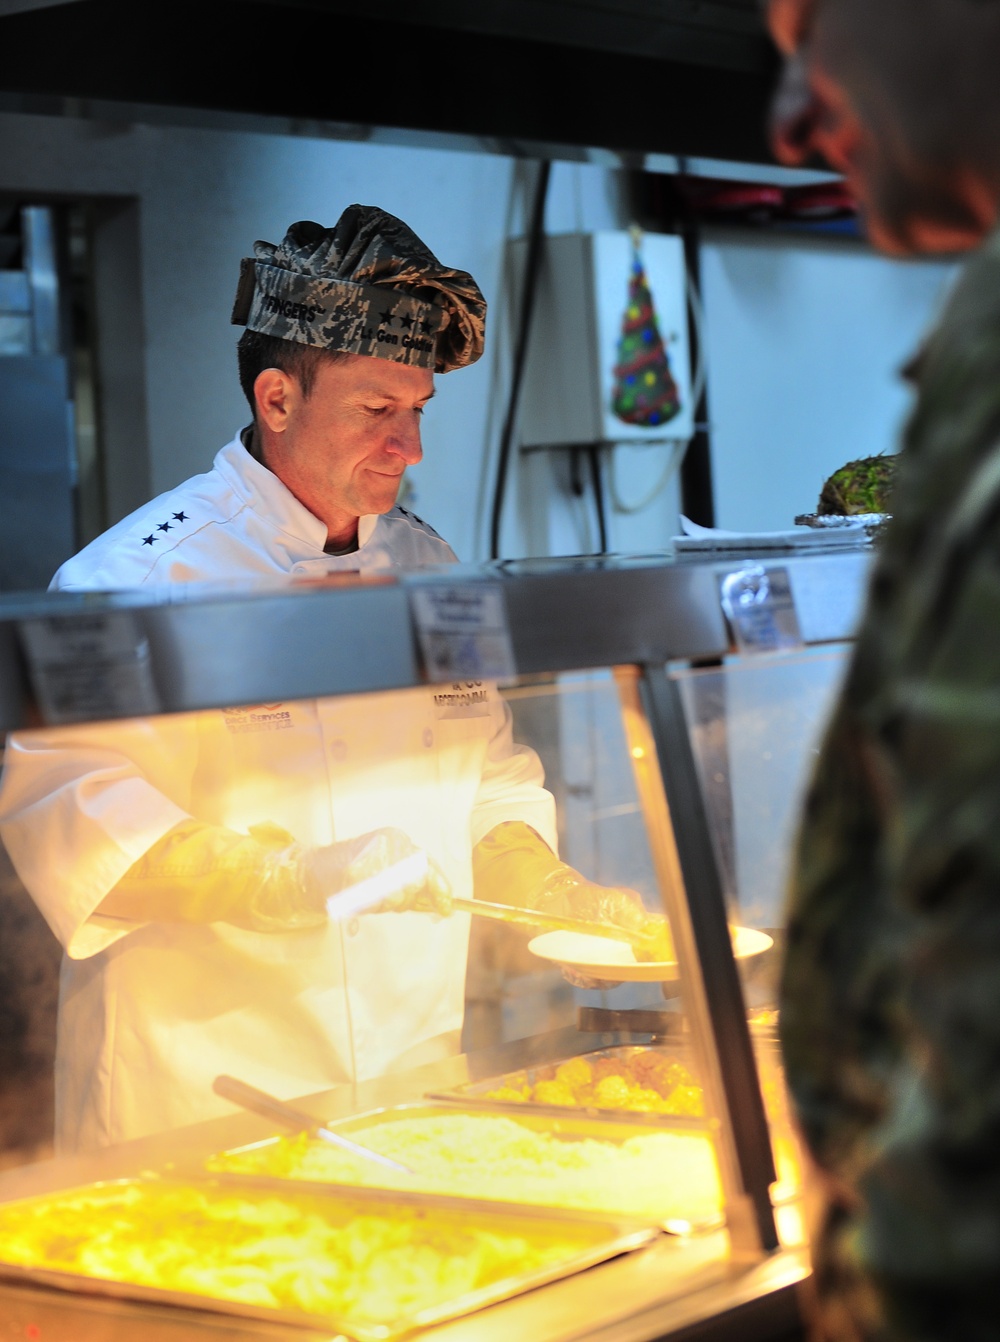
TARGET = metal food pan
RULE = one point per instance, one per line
(673, 1211)
(477, 1093)
(590, 1240)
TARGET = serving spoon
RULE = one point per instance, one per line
(269, 1106)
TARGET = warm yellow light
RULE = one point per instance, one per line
(638, 753)
(790, 1225)
(653, 1173)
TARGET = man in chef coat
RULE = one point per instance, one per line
(890, 1001)
(184, 863)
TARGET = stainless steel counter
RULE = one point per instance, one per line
(674, 1285)
(69, 656)
(78, 656)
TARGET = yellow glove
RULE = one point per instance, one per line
(513, 865)
(264, 880)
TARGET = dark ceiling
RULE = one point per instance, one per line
(636, 77)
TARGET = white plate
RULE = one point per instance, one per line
(603, 958)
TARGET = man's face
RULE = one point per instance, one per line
(343, 449)
(866, 87)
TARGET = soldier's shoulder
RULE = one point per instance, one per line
(968, 329)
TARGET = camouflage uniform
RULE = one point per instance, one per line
(890, 1003)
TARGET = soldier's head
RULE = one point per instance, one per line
(902, 97)
(345, 329)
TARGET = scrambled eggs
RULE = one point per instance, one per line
(652, 1175)
(302, 1254)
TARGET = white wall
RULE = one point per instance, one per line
(805, 338)
(206, 195)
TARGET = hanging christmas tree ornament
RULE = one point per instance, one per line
(644, 390)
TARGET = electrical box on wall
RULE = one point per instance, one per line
(577, 369)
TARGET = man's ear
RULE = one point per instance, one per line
(274, 392)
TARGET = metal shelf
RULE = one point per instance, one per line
(210, 646)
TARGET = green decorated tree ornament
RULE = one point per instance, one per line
(644, 390)
(861, 486)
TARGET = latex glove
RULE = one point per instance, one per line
(265, 880)
(513, 865)
(385, 858)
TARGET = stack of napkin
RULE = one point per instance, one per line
(813, 533)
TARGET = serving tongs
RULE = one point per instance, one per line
(269, 1106)
(553, 922)
(370, 892)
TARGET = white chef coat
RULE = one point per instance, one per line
(150, 1013)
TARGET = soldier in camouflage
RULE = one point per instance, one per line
(890, 999)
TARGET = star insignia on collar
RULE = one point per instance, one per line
(407, 321)
(163, 526)
(180, 517)
(386, 315)
(425, 326)
(148, 540)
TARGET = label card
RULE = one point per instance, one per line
(760, 608)
(463, 633)
(87, 667)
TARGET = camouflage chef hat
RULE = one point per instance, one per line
(367, 286)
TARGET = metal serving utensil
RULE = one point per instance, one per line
(506, 913)
(268, 1106)
(374, 889)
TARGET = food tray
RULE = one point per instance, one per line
(303, 1228)
(604, 1104)
(570, 1161)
